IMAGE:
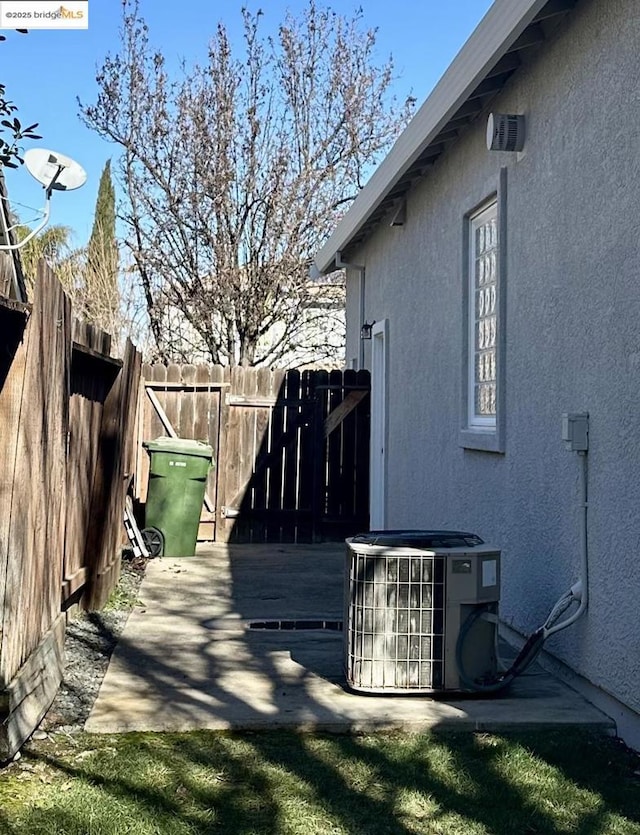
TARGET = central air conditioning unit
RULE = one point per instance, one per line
(421, 611)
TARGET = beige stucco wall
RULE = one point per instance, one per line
(572, 341)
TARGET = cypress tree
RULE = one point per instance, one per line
(102, 294)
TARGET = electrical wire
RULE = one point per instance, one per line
(524, 659)
(39, 213)
(579, 593)
(559, 609)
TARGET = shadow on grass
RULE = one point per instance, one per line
(5, 827)
(283, 782)
(276, 782)
(494, 783)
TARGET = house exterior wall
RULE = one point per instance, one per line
(572, 331)
(353, 323)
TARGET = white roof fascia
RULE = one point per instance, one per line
(502, 25)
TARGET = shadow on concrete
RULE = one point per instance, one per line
(187, 661)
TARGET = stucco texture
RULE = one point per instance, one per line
(572, 333)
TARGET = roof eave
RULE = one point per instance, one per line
(499, 29)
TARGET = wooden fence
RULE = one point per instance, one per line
(291, 448)
(67, 412)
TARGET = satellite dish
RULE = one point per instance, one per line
(54, 170)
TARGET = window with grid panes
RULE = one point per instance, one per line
(483, 318)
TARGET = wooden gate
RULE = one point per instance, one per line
(291, 448)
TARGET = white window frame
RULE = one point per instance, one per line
(379, 425)
(488, 212)
(487, 435)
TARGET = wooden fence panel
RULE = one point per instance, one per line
(273, 500)
(212, 403)
(13, 356)
(321, 395)
(286, 446)
(159, 376)
(112, 474)
(186, 424)
(240, 449)
(33, 512)
(199, 401)
(92, 375)
(55, 382)
(290, 453)
(262, 415)
(333, 489)
(184, 402)
(219, 424)
(173, 400)
(307, 487)
(151, 426)
(232, 465)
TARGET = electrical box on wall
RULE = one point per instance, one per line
(575, 431)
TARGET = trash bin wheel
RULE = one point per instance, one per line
(154, 541)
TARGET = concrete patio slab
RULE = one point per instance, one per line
(187, 660)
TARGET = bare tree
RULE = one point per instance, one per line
(236, 170)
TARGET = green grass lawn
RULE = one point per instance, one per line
(281, 783)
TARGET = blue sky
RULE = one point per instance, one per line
(46, 71)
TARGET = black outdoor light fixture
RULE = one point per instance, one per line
(365, 330)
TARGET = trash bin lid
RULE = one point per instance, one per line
(419, 539)
(181, 446)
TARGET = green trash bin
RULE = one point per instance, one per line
(177, 480)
